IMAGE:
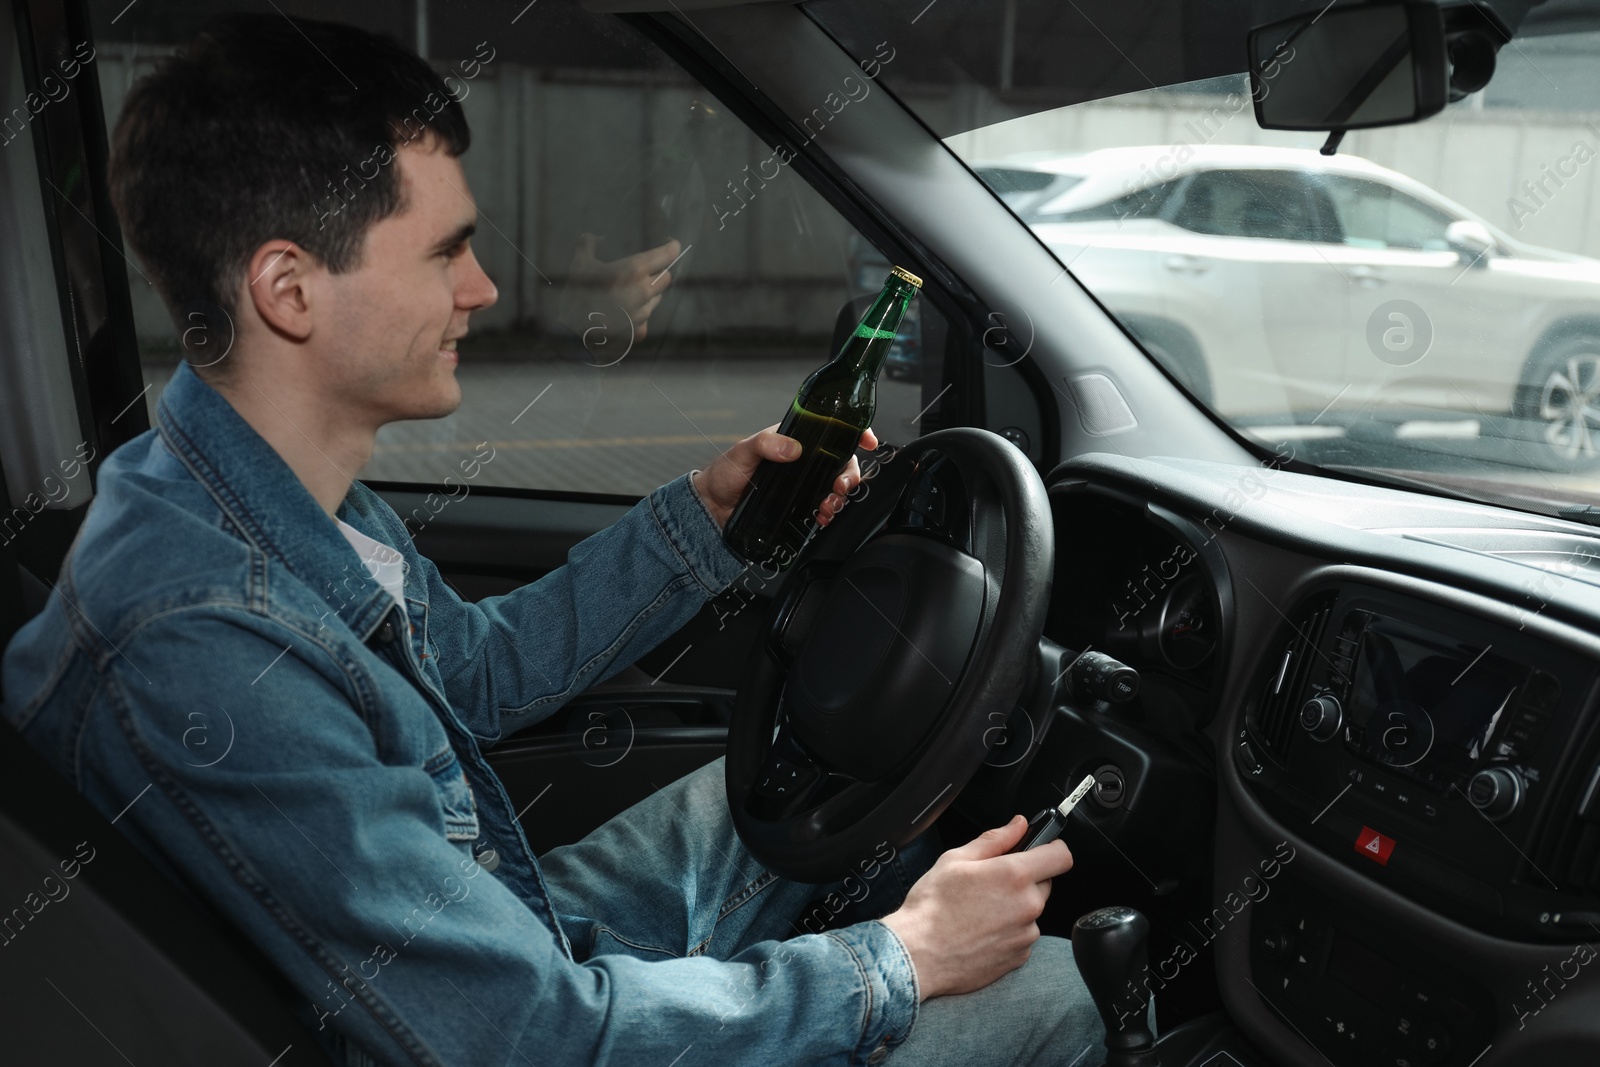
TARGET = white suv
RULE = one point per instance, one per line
(1281, 286)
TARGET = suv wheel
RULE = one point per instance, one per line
(1560, 401)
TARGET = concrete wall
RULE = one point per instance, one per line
(1478, 158)
(558, 151)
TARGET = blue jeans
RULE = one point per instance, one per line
(669, 878)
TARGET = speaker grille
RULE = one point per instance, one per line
(1101, 408)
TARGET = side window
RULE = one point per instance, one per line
(591, 146)
(1374, 215)
(1143, 203)
(1265, 204)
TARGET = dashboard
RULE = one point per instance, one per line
(1393, 692)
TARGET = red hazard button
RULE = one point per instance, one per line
(1375, 846)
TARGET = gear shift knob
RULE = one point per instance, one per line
(1110, 948)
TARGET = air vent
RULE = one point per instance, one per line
(1572, 855)
(1577, 865)
(1289, 675)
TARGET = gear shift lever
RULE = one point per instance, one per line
(1109, 946)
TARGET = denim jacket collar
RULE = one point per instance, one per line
(265, 500)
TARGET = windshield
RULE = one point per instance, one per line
(1422, 306)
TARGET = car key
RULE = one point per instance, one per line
(1046, 826)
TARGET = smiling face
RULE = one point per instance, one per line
(387, 330)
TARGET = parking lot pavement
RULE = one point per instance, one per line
(1454, 452)
(622, 429)
(566, 425)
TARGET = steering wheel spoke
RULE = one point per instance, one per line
(839, 800)
(787, 777)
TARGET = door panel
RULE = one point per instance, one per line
(500, 535)
(618, 741)
(1266, 233)
(1426, 328)
(493, 541)
(562, 794)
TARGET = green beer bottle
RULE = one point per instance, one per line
(833, 407)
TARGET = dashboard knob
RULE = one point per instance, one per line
(1321, 717)
(1495, 791)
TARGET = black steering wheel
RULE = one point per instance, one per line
(892, 651)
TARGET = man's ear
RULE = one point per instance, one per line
(280, 279)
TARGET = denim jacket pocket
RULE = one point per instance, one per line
(455, 796)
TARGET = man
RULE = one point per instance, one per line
(246, 656)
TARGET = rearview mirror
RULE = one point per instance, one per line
(1380, 64)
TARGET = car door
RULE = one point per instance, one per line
(1155, 278)
(1429, 333)
(1254, 270)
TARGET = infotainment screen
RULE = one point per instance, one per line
(1425, 704)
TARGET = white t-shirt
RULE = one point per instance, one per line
(385, 565)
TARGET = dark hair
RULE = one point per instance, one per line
(267, 127)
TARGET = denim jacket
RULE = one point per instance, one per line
(278, 733)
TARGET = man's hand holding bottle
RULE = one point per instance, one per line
(722, 482)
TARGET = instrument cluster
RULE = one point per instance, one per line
(1138, 585)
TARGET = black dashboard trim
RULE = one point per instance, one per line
(1279, 507)
(1444, 939)
(1299, 533)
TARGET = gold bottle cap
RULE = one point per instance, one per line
(905, 275)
